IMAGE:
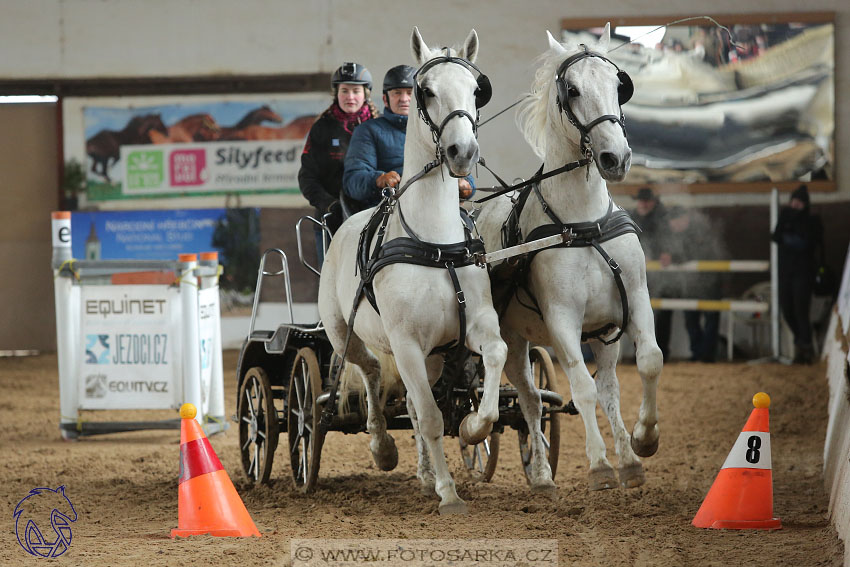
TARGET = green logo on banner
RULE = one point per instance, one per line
(145, 170)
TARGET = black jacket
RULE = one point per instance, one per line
(320, 176)
(800, 238)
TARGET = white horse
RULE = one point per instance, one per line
(574, 288)
(419, 305)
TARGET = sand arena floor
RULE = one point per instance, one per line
(124, 486)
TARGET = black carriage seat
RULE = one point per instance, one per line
(350, 205)
(275, 342)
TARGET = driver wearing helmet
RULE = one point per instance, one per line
(376, 153)
(320, 176)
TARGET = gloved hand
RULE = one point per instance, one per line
(388, 179)
(464, 189)
(335, 220)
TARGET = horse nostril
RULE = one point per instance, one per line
(608, 161)
(452, 151)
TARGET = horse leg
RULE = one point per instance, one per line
(518, 370)
(649, 363)
(608, 390)
(425, 469)
(411, 365)
(567, 345)
(483, 337)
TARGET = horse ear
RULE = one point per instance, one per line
(419, 48)
(554, 43)
(469, 51)
(605, 38)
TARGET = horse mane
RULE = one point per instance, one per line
(533, 112)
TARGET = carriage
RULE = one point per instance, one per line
(283, 382)
(582, 293)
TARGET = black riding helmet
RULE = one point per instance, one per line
(399, 77)
(352, 73)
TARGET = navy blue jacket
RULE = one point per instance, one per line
(376, 147)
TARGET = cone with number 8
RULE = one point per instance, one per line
(741, 497)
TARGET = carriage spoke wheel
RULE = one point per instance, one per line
(303, 415)
(480, 460)
(258, 425)
(543, 376)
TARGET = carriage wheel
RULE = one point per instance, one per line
(480, 460)
(303, 415)
(543, 376)
(258, 425)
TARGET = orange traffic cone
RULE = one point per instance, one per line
(207, 502)
(741, 497)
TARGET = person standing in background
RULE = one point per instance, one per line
(799, 235)
(694, 239)
(320, 176)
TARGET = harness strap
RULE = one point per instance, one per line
(611, 225)
(539, 176)
(624, 300)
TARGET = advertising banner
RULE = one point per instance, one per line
(131, 347)
(177, 169)
(198, 147)
(143, 235)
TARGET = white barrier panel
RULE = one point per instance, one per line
(836, 467)
(130, 357)
(149, 344)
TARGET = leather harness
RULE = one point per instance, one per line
(514, 277)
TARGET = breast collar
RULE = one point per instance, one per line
(411, 249)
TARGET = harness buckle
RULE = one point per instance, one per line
(439, 254)
(612, 263)
(461, 298)
(568, 235)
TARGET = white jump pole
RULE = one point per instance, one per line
(63, 288)
(774, 276)
(190, 336)
(209, 279)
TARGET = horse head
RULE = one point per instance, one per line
(150, 122)
(449, 89)
(578, 94)
(265, 114)
(205, 128)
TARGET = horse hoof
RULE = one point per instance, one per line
(631, 476)
(645, 449)
(545, 487)
(602, 479)
(386, 457)
(468, 436)
(456, 507)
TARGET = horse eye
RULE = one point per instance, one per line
(428, 92)
(573, 92)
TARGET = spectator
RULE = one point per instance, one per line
(320, 176)
(693, 239)
(651, 216)
(799, 235)
(377, 149)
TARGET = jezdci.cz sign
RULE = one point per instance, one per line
(214, 166)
